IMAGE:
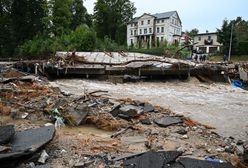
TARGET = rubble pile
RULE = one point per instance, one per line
(94, 130)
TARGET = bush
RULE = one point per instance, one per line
(82, 39)
(39, 47)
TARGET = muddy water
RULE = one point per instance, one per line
(218, 105)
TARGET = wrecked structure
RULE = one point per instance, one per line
(121, 67)
(94, 130)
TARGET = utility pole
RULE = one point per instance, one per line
(230, 45)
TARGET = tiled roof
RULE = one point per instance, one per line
(164, 15)
(157, 16)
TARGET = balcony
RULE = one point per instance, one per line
(208, 41)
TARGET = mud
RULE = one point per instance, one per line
(218, 105)
(102, 137)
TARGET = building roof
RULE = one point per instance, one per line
(203, 34)
(164, 15)
(134, 20)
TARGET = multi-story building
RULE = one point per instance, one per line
(152, 29)
(206, 43)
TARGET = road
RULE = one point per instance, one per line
(217, 105)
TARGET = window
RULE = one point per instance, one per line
(162, 29)
(162, 39)
(162, 20)
(131, 32)
(199, 38)
(157, 29)
(172, 21)
(140, 31)
(145, 31)
(142, 22)
(150, 30)
(135, 32)
(157, 21)
(148, 21)
(209, 37)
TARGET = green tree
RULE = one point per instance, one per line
(27, 18)
(61, 16)
(224, 35)
(192, 32)
(6, 31)
(241, 29)
(111, 17)
(79, 14)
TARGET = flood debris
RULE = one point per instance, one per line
(78, 114)
(95, 130)
(167, 121)
(7, 132)
(191, 162)
(152, 159)
(43, 157)
(25, 143)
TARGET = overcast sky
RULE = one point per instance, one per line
(201, 14)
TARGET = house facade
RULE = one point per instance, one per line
(152, 30)
(206, 43)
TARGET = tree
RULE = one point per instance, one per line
(6, 31)
(224, 36)
(27, 18)
(61, 16)
(192, 32)
(21, 20)
(79, 14)
(111, 17)
(241, 28)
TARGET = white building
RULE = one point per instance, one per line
(206, 43)
(150, 30)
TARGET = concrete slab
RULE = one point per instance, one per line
(167, 121)
(33, 139)
(189, 163)
(25, 143)
(152, 159)
(7, 132)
